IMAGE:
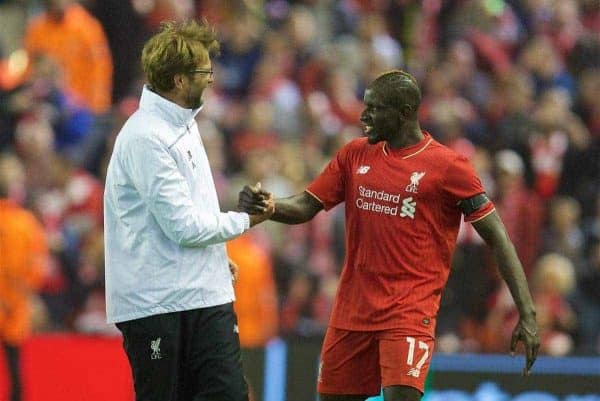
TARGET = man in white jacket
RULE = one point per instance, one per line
(168, 281)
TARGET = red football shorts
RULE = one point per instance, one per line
(361, 362)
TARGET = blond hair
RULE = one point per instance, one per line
(177, 48)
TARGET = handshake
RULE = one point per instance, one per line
(258, 203)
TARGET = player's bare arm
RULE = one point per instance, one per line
(295, 209)
(493, 232)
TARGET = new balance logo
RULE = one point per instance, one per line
(414, 372)
(414, 182)
(408, 208)
(236, 329)
(155, 347)
(362, 169)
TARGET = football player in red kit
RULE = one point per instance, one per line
(405, 194)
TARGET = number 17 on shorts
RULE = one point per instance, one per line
(360, 362)
(404, 360)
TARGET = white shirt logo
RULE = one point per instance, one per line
(415, 177)
(155, 346)
(408, 208)
(362, 169)
(189, 153)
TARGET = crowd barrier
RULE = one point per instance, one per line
(68, 367)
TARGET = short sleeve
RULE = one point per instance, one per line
(329, 186)
(462, 183)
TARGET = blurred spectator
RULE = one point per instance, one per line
(23, 264)
(541, 58)
(40, 96)
(517, 204)
(90, 314)
(591, 225)
(74, 39)
(255, 292)
(461, 65)
(71, 210)
(373, 32)
(126, 32)
(240, 53)
(586, 301)
(558, 130)
(509, 108)
(587, 106)
(298, 308)
(492, 27)
(552, 281)
(157, 11)
(563, 234)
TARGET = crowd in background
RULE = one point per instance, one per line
(513, 85)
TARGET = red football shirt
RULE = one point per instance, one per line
(402, 220)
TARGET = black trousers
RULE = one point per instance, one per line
(11, 354)
(186, 356)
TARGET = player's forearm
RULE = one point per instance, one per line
(493, 232)
(290, 212)
(512, 273)
(296, 209)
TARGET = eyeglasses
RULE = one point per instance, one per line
(203, 71)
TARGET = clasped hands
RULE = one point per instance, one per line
(257, 202)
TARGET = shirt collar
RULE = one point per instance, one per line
(166, 109)
(410, 150)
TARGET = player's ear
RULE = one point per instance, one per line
(406, 111)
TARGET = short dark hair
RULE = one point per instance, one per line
(398, 88)
(176, 49)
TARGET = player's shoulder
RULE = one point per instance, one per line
(443, 153)
(357, 145)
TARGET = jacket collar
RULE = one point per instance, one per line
(166, 109)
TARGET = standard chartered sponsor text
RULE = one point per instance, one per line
(372, 205)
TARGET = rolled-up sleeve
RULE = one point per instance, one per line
(161, 185)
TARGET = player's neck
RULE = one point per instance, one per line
(407, 136)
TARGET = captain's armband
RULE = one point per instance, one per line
(473, 204)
